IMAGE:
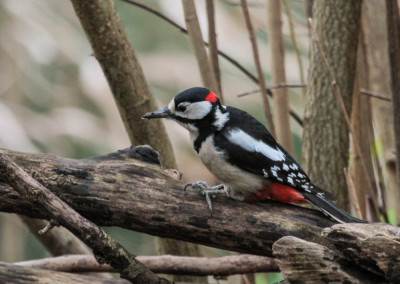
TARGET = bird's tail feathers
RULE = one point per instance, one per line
(330, 209)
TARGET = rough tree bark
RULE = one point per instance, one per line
(326, 134)
(104, 247)
(115, 189)
(120, 187)
(124, 74)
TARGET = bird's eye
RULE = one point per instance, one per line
(181, 107)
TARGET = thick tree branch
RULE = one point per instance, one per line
(167, 264)
(104, 248)
(119, 190)
(356, 253)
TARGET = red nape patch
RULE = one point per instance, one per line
(212, 97)
(285, 194)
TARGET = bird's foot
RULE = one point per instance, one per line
(208, 191)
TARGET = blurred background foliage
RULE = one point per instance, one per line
(54, 97)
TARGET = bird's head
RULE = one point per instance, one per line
(191, 108)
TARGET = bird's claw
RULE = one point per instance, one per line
(208, 191)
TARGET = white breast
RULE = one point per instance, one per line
(240, 182)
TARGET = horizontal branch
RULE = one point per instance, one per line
(166, 264)
(11, 273)
(119, 190)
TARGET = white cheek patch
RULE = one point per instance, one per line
(193, 111)
(250, 144)
(171, 106)
(198, 110)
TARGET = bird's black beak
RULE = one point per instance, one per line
(161, 113)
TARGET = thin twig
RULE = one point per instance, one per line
(346, 115)
(50, 225)
(235, 63)
(261, 81)
(273, 87)
(295, 46)
(183, 30)
(375, 95)
(166, 264)
(213, 45)
(352, 193)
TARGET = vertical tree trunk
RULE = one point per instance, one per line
(124, 74)
(326, 134)
(213, 45)
(379, 80)
(280, 95)
(257, 63)
(196, 39)
(393, 24)
(363, 132)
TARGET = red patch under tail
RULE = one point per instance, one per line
(285, 194)
(279, 192)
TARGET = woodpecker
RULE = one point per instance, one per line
(243, 155)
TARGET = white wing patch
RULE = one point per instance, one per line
(250, 144)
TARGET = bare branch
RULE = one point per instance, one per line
(223, 54)
(375, 95)
(10, 273)
(352, 193)
(119, 190)
(261, 80)
(274, 87)
(103, 246)
(213, 45)
(196, 39)
(278, 75)
(295, 46)
(166, 264)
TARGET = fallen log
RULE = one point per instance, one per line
(129, 189)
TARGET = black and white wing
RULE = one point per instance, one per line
(255, 150)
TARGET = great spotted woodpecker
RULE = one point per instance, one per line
(241, 153)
